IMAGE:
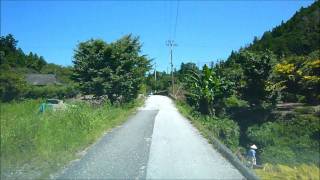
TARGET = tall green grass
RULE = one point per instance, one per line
(34, 145)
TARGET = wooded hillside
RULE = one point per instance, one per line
(298, 36)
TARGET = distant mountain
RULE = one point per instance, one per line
(300, 35)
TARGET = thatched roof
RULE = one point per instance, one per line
(41, 79)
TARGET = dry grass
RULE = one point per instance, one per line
(279, 171)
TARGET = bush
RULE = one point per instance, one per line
(51, 91)
(264, 135)
(12, 86)
(226, 130)
(277, 154)
(288, 141)
(234, 102)
(302, 99)
(234, 105)
(304, 110)
(290, 97)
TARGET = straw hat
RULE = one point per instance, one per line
(253, 147)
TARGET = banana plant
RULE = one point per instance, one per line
(205, 89)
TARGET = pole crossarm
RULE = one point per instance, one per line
(171, 44)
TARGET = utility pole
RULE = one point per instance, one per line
(211, 64)
(155, 76)
(155, 71)
(171, 44)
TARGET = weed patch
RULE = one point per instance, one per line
(35, 145)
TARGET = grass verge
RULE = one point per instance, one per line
(34, 145)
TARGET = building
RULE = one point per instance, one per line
(42, 79)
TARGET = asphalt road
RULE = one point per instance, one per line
(156, 143)
(120, 154)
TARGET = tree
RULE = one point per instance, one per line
(298, 76)
(7, 49)
(161, 84)
(41, 63)
(256, 68)
(298, 36)
(12, 86)
(116, 70)
(185, 69)
(8, 43)
(206, 90)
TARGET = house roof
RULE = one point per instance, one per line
(41, 79)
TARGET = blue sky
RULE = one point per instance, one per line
(206, 30)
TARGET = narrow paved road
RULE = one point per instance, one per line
(156, 143)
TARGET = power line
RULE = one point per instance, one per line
(171, 44)
(176, 22)
(168, 17)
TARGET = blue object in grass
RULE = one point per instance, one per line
(42, 107)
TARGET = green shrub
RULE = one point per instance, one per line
(289, 141)
(304, 110)
(12, 86)
(290, 97)
(302, 99)
(51, 91)
(276, 154)
(234, 102)
(226, 130)
(307, 155)
(264, 135)
(304, 124)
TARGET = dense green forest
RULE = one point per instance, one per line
(297, 36)
(15, 65)
(266, 93)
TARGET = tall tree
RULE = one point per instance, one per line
(185, 69)
(116, 70)
(256, 68)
